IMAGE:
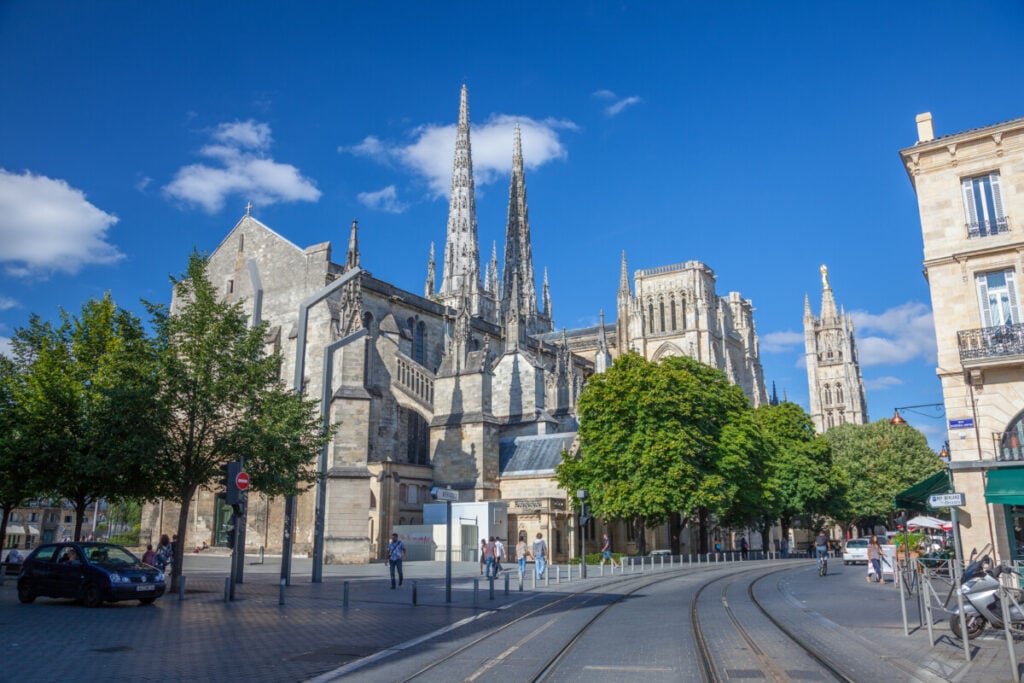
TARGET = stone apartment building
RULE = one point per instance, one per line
(970, 192)
(467, 385)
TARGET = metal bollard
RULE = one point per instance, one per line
(413, 593)
(490, 592)
(662, 562)
(547, 576)
(181, 588)
(520, 582)
(558, 576)
(602, 568)
(344, 595)
(476, 592)
(506, 583)
(280, 593)
(534, 575)
(643, 561)
(570, 573)
(261, 554)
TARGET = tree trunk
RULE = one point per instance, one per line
(80, 506)
(641, 528)
(676, 528)
(766, 534)
(179, 545)
(6, 513)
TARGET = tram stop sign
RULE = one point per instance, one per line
(242, 481)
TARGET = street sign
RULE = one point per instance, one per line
(946, 500)
(963, 423)
(242, 481)
(444, 494)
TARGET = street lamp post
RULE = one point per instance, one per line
(581, 494)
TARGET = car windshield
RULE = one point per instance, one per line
(109, 556)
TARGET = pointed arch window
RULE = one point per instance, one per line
(419, 343)
(661, 314)
(839, 394)
(682, 312)
(650, 316)
(828, 394)
(672, 309)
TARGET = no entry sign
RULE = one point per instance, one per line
(242, 481)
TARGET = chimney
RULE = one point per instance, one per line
(925, 129)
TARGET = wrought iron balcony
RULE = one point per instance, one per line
(987, 228)
(990, 343)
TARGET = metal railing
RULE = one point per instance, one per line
(987, 228)
(991, 342)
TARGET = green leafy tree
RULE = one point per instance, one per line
(650, 440)
(86, 400)
(17, 484)
(799, 478)
(225, 400)
(876, 461)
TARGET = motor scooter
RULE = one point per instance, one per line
(982, 606)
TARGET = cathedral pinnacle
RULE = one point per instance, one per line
(624, 277)
(828, 302)
(492, 268)
(547, 298)
(352, 257)
(428, 287)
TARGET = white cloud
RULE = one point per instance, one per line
(48, 226)
(5, 347)
(7, 302)
(385, 199)
(430, 153)
(882, 383)
(781, 342)
(142, 183)
(895, 336)
(618, 105)
(245, 169)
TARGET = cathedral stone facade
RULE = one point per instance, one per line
(466, 386)
(833, 370)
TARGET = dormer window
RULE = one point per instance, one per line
(983, 205)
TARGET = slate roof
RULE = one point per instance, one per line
(533, 454)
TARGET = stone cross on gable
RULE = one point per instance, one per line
(248, 209)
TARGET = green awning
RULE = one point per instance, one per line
(1005, 486)
(916, 497)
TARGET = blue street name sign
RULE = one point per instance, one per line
(964, 423)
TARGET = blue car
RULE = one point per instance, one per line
(90, 572)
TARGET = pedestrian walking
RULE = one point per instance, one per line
(483, 555)
(521, 553)
(489, 558)
(606, 552)
(499, 554)
(164, 554)
(743, 547)
(540, 555)
(396, 553)
(875, 557)
(718, 549)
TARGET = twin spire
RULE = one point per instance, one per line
(461, 286)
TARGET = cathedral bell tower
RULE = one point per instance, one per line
(833, 370)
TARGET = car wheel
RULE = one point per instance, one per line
(147, 601)
(25, 593)
(91, 595)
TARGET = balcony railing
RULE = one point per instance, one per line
(991, 342)
(987, 228)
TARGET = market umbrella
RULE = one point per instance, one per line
(928, 523)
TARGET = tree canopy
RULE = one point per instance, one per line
(651, 440)
(85, 396)
(875, 462)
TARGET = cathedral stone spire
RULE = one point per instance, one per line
(828, 302)
(518, 251)
(352, 257)
(623, 306)
(547, 297)
(603, 358)
(428, 287)
(513, 320)
(492, 267)
(461, 281)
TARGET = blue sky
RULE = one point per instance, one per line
(759, 138)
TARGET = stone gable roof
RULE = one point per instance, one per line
(533, 454)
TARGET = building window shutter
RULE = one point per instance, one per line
(986, 311)
(1011, 286)
(967, 185)
(997, 196)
